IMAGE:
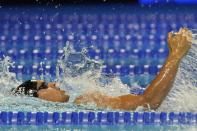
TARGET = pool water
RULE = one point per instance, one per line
(100, 128)
(71, 79)
(116, 53)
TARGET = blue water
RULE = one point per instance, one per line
(100, 128)
(131, 45)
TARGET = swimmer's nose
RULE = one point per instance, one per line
(51, 84)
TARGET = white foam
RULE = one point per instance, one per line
(7, 79)
(194, 35)
(88, 80)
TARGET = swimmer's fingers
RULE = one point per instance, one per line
(183, 30)
(186, 32)
(170, 35)
(179, 43)
(180, 30)
(188, 35)
(189, 39)
(171, 41)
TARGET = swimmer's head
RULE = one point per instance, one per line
(40, 89)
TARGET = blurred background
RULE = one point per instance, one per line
(128, 36)
(44, 2)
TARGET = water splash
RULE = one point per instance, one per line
(7, 79)
(77, 73)
(81, 74)
(74, 75)
(194, 35)
(183, 91)
(183, 95)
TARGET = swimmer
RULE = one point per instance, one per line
(178, 43)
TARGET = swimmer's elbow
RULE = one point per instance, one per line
(151, 104)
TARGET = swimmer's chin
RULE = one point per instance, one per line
(57, 101)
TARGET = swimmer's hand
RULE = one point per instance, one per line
(179, 43)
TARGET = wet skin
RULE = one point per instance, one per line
(155, 93)
(53, 93)
(158, 89)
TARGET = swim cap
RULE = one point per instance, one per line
(30, 88)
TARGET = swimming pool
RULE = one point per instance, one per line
(131, 45)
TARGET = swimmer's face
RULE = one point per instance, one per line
(53, 93)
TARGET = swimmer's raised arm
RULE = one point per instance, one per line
(178, 45)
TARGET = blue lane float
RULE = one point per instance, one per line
(99, 118)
